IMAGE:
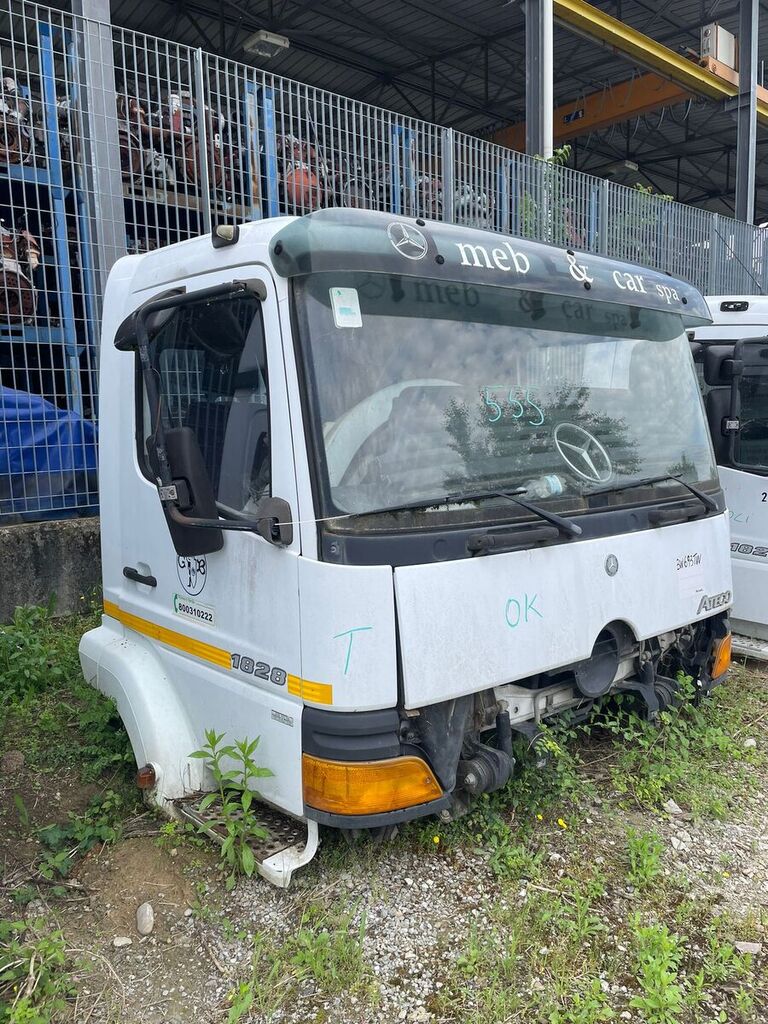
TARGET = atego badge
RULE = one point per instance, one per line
(711, 604)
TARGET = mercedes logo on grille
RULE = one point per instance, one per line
(611, 565)
(407, 240)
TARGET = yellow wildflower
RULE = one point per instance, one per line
(562, 823)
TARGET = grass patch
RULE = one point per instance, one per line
(35, 976)
(49, 712)
(325, 953)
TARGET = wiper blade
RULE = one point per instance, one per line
(564, 525)
(444, 499)
(708, 502)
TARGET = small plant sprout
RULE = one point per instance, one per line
(232, 799)
(644, 850)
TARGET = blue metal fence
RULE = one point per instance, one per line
(192, 138)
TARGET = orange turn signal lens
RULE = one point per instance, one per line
(722, 656)
(145, 777)
(367, 787)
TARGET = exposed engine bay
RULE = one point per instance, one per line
(468, 741)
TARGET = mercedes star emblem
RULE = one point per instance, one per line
(583, 453)
(407, 240)
(611, 565)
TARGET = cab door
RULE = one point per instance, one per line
(224, 625)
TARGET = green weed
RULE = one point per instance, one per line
(49, 712)
(644, 850)
(233, 799)
(63, 844)
(658, 953)
(34, 975)
(326, 948)
(587, 1006)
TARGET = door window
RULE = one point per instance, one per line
(211, 367)
(753, 436)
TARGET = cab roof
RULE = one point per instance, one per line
(351, 239)
(345, 239)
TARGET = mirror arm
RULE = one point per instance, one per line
(269, 527)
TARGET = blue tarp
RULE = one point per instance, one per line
(47, 455)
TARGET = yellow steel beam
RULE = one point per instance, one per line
(592, 22)
(618, 102)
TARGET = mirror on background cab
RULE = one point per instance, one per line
(721, 371)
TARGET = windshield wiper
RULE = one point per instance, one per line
(708, 502)
(564, 525)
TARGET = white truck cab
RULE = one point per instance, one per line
(384, 493)
(732, 356)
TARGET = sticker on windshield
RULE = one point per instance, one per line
(346, 307)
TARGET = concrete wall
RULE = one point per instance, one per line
(40, 559)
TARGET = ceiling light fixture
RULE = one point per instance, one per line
(265, 44)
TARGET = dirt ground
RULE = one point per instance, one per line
(404, 931)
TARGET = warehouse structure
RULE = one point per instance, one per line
(124, 130)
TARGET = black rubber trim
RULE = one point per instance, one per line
(377, 820)
(351, 735)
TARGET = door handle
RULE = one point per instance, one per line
(133, 574)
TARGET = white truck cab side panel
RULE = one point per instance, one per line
(749, 549)
(224, 629)
(348, 633)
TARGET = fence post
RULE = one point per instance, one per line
(602, 219)
(202, 138)
(714, 250)
(101, 144)
(447, 145)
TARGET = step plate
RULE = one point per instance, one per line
(282, 831)
(290, 843)
(748, 647)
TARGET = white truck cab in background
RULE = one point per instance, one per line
(386, 493)
(732, 356)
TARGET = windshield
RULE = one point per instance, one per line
(421, 388)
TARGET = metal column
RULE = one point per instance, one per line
(101, 148)
(746, 146)
(539, 98)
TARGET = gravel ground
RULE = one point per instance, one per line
(420, 906)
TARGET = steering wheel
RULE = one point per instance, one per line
(582, 453)
(345, 438)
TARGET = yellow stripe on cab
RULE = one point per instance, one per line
(316, 693)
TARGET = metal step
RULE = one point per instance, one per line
(749, 647)
(290, 844)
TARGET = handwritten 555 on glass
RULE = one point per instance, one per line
(518, 403)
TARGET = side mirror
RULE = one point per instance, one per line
(721, 365)
(723, 422)
(194, 496)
